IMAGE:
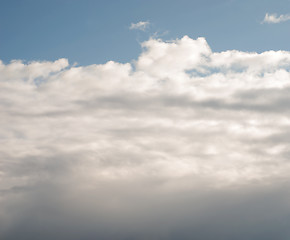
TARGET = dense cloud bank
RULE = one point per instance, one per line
(183, 143)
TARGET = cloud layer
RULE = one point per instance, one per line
(183, 143)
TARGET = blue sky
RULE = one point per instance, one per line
(90, 31)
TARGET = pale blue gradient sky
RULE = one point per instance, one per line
(95, 31)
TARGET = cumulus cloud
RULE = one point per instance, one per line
(140, 25)
(183, 143)
(273, 18)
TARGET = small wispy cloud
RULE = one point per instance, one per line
(140, 25)
(274, 18)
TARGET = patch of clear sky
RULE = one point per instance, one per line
(96, 31)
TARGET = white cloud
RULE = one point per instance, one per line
(140, 25)
(112, 146)
(273, 18)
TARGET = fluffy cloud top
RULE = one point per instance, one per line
(184, 143)
(273, 18)
(140, 25)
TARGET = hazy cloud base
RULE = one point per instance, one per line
(183, 143)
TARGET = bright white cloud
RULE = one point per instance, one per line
(116, 146)
(140, 25)
(274, 18)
